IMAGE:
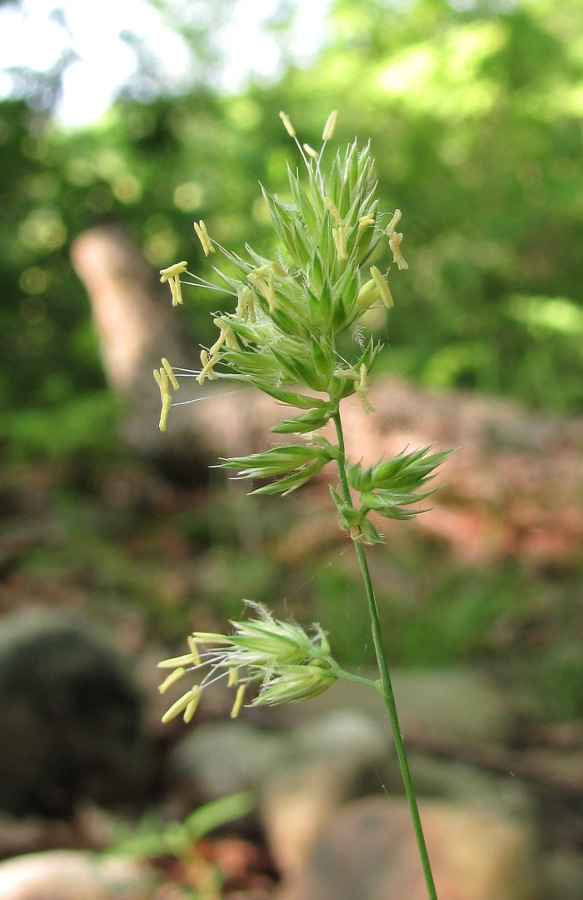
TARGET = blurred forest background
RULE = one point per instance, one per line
(475, 112)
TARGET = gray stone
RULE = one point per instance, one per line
(458, 706)
(451, 779)
(325, 762)
(368, 851)
(222, 758)
(24, 834)
(72, 875)
(70, 715)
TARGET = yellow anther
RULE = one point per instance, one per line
(170, 372)
(233, 677)
(362, 390)
(394, 222)
(382, 287)
(333, 209)
(191, 708)
(365, 221)
(184, 660)
(162, 380)
(310, 151)
(395, 245)
(287, 124)
(166, 404)
(340, 240)
(261, 271)
(277, 268)
(219, 341)
(231, 340)
(164, 377)
(226, 336)
(207, 367)
(176, 290)
(330, 125)
(174, 676)
(181, 704)
(161, 377)
(255, 279)
(265, 287)
(238, 701)
(172, 276)
(202, 235)
(194, 650)
(173, 271)
(245, 305)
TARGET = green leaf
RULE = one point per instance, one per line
(323, 355)
(299, 371)
(360, 479)
(351, 166)
(310, 421)
(317, 273)
(294, 480)
(405, 472)
(252, 362)
(281, 213)
(349, 515)
(291, 398)
(303, 202)
(370, 533)
(277, 461)
(389, 504)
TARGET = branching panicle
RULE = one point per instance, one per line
(283, 338)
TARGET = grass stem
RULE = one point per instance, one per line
(385, 678)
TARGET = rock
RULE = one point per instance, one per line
(458, 705)
(368, 850)
(463, 782)
(70, 716)
(222, 758)
(324, 763)
(20, 834)
(300, 776)
(72, 875)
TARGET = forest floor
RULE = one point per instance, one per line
(491, 577)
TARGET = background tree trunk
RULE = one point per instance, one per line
(136, 326)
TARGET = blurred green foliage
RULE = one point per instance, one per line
(153, 837)
(474, 110)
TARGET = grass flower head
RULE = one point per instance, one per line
(291, 310)
(280, 657)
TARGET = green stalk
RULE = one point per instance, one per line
(385, 678)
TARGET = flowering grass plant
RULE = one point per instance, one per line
(294, 332)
